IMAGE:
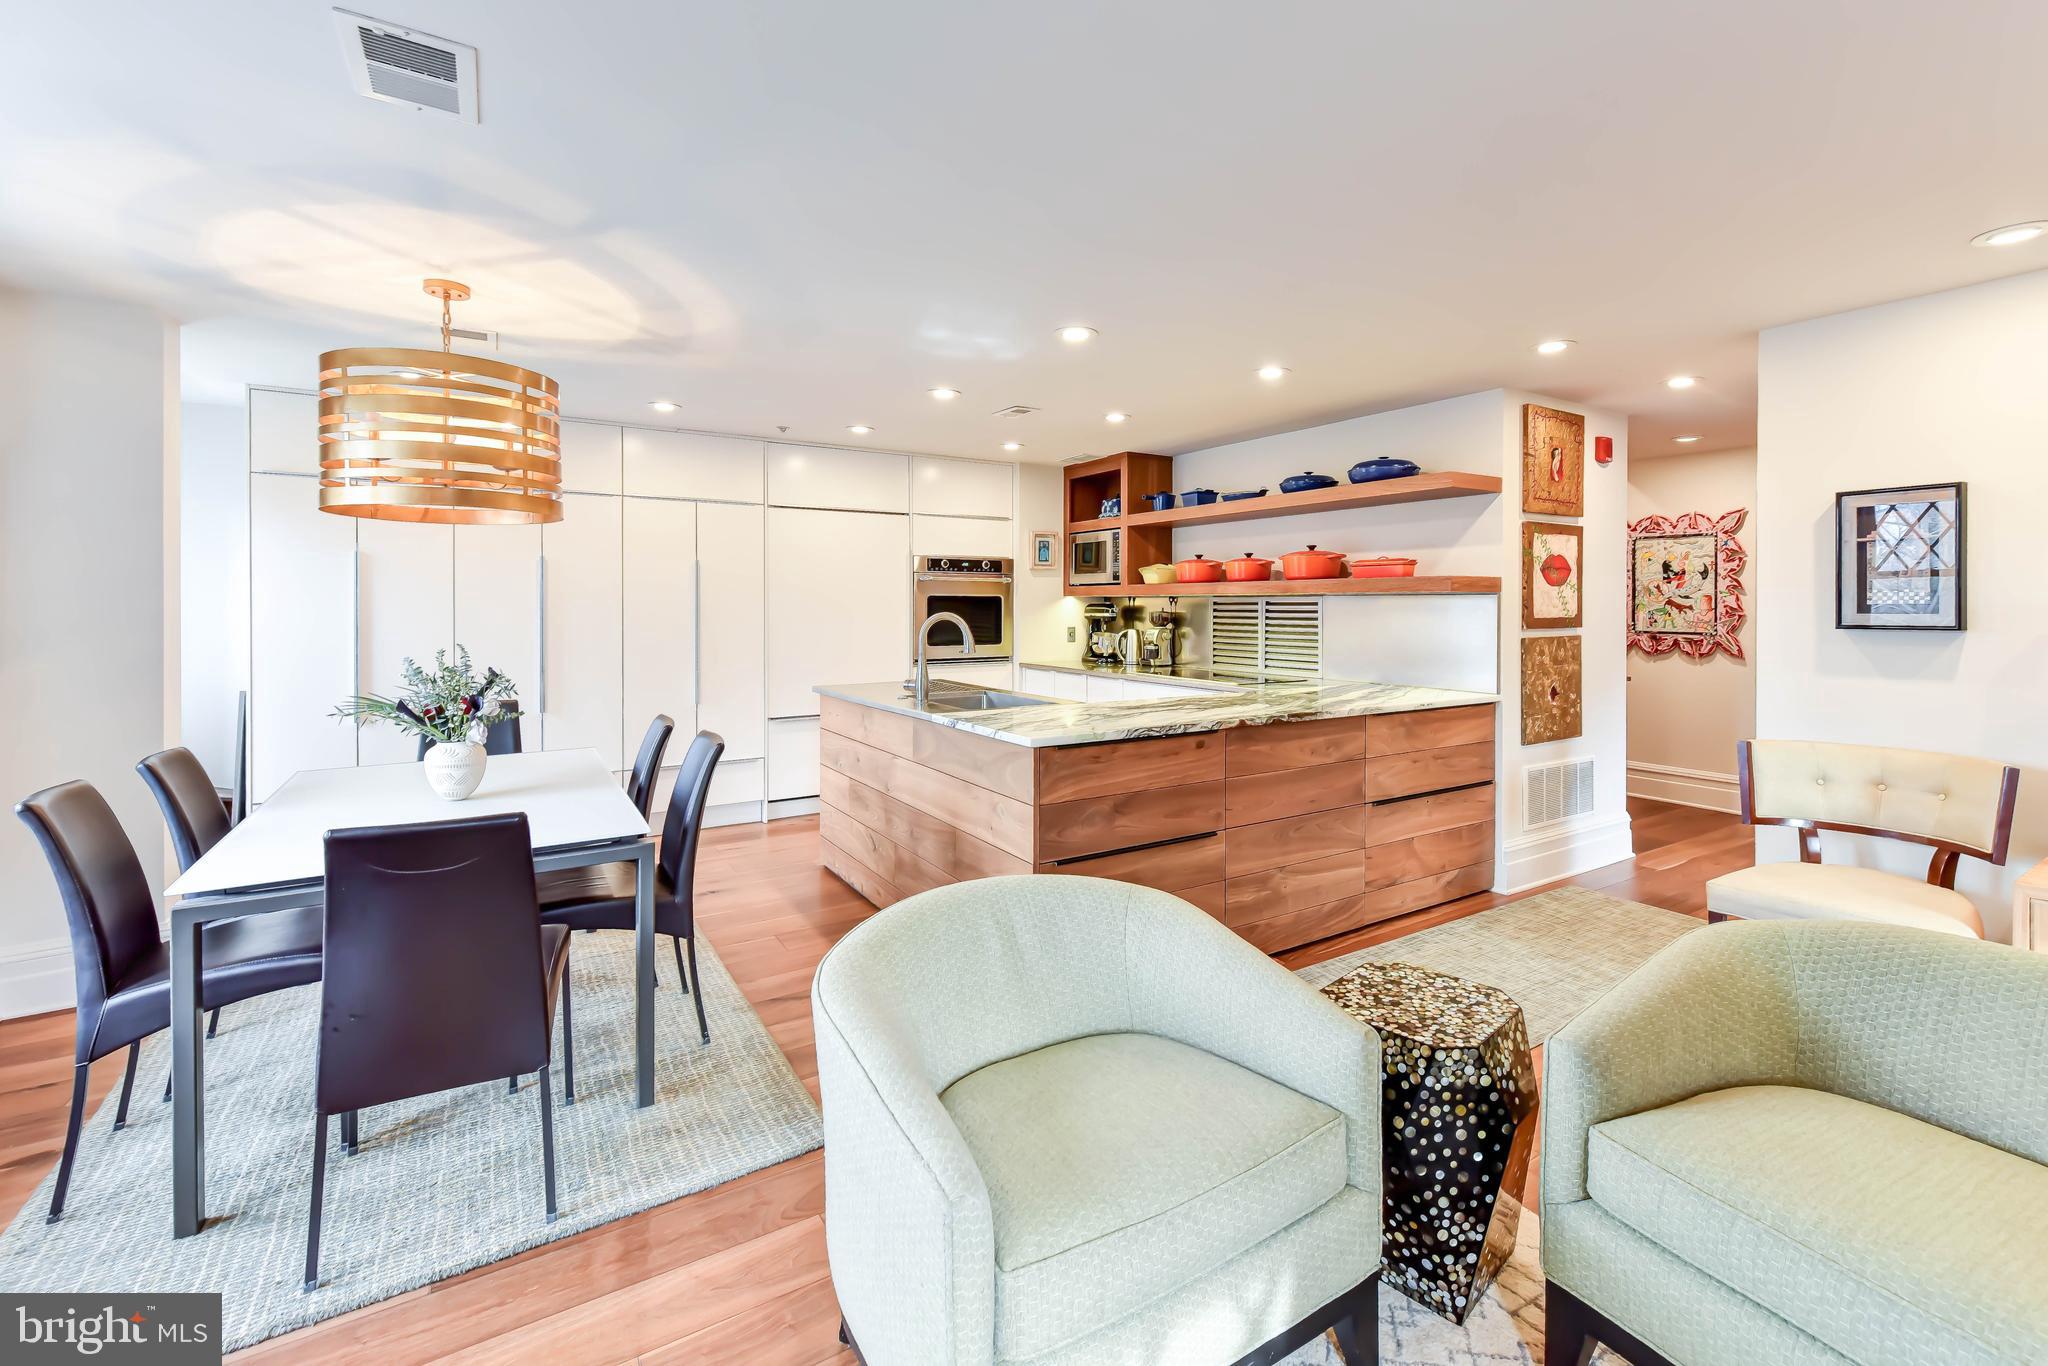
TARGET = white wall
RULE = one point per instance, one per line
(1044, 614)
(213, 500)
(86, 449)
(1458, 642)
(1685, 714)
(1949, 386)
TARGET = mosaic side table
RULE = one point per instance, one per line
(1457, 1117)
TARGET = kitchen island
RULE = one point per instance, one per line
(1289, 811)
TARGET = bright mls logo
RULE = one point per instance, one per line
(170, 1330)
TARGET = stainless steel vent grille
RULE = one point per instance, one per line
(1556, 792)
(1267, 635)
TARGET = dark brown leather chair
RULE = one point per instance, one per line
(647, 766)
(439, 975)
(194, 812)
(501, 738)
(121, 964)
(601, 897)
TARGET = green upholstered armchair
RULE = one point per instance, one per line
(1072, 1120)
(1803, 1142)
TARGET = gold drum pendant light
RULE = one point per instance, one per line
(432, 436)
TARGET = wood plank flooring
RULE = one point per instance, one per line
(737, 1273)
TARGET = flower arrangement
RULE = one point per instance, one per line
(448, 704)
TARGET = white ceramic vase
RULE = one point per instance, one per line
(454, 770)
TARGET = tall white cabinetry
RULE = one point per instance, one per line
(405, 608)
(302, 602)
(580, 696)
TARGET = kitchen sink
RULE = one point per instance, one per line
(981, 699)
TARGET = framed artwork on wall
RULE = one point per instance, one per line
(1045, 550)
(1899, 559)
(1553, 462)
(1552, 556)
(1552, 677)
(1685, 584)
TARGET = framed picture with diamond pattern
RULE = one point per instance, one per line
(1899, 559)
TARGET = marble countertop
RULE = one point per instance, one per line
(1193, 675)
(1047, 722)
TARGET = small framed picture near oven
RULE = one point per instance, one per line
(1045, 550)
(1899, 559)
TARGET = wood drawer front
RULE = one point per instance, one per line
(1208, 897)
(1405, 818)
(1428, 770)
(1403, 732)
(1070, 773)
(1100, 825)
(1425, 855)
(1169, 867)
(1293, 744)
(945, 847)
(1294, 887)
(1293, 792)
(1356, 912)
(1274, 844)
(988, 816)
(904, 870)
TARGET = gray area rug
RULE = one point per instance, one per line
(1556, 952)
(440, 1184)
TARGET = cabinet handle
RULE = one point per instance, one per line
(697, 643)
(355, 641)
(540, 605)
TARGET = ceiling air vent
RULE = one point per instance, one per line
(1556, 792)
(1015, 410)
(400, 65)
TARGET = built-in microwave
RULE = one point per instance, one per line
(1095, 557)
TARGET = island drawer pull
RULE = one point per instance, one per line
(1132, 849)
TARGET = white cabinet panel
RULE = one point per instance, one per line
(731, 631)
(1103, 690)
(838, 603)
(738, 780)
(592, 459)
(962, 536)
(1052, 683)
(994, 674)
(581, 637)
(792, 758)
(405, 609)
(284, 432)
(660, 626)
(961, 488)
(819, 477)
(302, 612)
(497, 608)
(689, 465)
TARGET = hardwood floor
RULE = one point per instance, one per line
(736, 1273)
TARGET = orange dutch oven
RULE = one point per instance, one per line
(1199, 570)
(1312, 564)
(1248, 568)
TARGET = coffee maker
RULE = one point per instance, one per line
(1156, 647)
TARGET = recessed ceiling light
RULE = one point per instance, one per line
(860, 429)
(1013, 445)
(1115, 417)
(1685, 440)
(1074, 334)
(943, 393)
(1682, 381)
(2011, 235)
(662, 405)
(1552, 347)
(1269, 373)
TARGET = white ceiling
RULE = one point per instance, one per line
(801, 216)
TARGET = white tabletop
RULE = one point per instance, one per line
(568, 795)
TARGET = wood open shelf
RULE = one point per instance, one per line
(1415, 488)
(1283, 588)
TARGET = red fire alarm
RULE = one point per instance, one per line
(1603, 450)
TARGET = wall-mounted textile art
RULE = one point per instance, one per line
(1551, 556)
(1552, 689)
(1685, 584)
(1553, 461)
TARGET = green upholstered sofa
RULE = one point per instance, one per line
(1069, 1120)
(1803, 1142)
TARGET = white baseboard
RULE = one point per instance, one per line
(35, 978)
(792, 806)
(1685, 786)
(1547, 855)
(733, 813)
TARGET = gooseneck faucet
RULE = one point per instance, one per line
(924, 635)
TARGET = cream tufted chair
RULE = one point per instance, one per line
(1953, 805)
(1075, 1122)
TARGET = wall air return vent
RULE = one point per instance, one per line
(1282, 636)
(1556, 792)
(400, 65)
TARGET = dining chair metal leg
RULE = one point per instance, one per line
(511, 1086)
(702, 1028)
(127, 1085)
(213, 1022)
(167, 1082)
(547, 1141)
(78, 1080)
(348, 1132)
(677, 942)
(568, 1043)
(319, 1194)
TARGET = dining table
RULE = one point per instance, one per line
(274, 860)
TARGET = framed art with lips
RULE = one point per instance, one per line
(1685, 584)
(1551, 557)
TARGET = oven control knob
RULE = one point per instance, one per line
(945, 564)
